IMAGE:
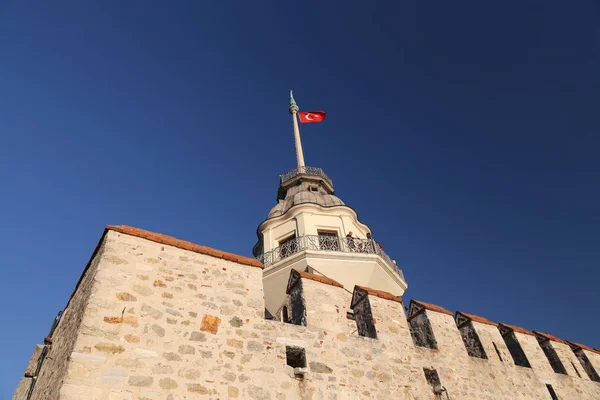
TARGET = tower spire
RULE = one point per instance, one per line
(294, 110)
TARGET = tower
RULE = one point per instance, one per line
(308, 230)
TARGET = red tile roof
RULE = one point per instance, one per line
(380, 293)
(477, 318)
(583, 347)
(318, 278)
(432, 307)
(550, 337)
(518, 329)
(182, 244)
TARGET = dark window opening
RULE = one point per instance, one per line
(421, 332)
(576, 370)
(552, 357)
(364, 319)
(314, 189)
(471, 341)
(433, 379)
(298, 314)
(551, 391)
(287, 246)
(268, 315)
(587, 365)
(295, 356)
(515, 349)
(497, 352)
(328, 240)
(285, 316)
(432, 376)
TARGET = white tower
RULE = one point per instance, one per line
(307, 230)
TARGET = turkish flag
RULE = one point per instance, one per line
(312, 116)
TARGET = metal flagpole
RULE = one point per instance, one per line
(299, 154)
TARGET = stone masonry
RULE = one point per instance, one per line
(155, 318)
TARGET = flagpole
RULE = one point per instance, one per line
(294, 111)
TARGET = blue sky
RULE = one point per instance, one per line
(464, 134)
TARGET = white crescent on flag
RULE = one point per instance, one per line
(312, 116)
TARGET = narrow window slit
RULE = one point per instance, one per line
(576, 370)
(551, 391)
(497, 351)
(514, 347)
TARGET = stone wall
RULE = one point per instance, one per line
(163, 323)
(54, 368)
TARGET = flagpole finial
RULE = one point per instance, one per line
(293, 106)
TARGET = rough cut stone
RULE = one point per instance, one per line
(153, 312)
(198, 336)
(114, 376)
(238, 344)
(145, 353)
(197, 388)
(143, 381)
(110, 348)
(319, 367)
(159, 330)
(167, 383)
(236, 322)
(174, 312)
(210, 324)
(124, 296)
(132, 339)
(143, 290)
(258, 393)
(162, 369)
(172, 356)
(186, 349)
(255, 346)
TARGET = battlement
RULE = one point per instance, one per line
(160, 318)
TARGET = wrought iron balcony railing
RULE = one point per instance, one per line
(314, 171)
(326, 243)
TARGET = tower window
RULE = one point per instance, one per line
(552, 356)
(515, 349)
(421, 332)
(313, 188)
(470, 338)
(587, 365)
(364, 316)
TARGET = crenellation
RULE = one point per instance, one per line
(157, 321)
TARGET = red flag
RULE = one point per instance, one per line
(312, 116)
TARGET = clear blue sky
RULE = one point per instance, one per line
(466, 135)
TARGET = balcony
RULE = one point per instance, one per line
(326, 243)
(307, 171)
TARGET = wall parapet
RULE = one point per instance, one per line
(476, 318)
(513, 328)
(184, 245)
(374, 292)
